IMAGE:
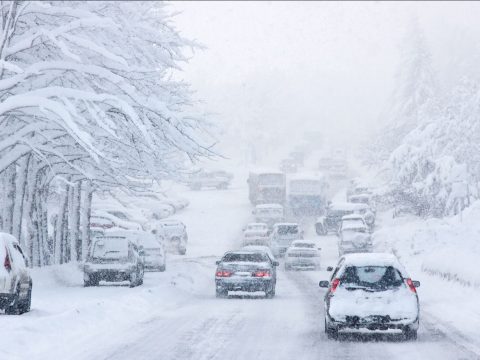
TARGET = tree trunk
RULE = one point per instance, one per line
(85, 218)
(20, 186)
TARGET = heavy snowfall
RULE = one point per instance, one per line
(239, 180)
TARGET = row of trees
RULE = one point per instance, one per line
(88, 102)
(430, 147)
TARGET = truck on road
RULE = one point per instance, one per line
(267, 187)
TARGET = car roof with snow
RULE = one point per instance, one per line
(373, 259)
(257, 224)
(255, 248)
(285, 224)
(352, 217)
(347, 206)
(261, 171)
(306, 176)
(309, 242)
(269, 206)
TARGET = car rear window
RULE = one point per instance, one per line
(110, 248)
(253, 257)
(304, 245)
(288, 229)
(375, 277)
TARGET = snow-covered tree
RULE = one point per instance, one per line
(87, 97)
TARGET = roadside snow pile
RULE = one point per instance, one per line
(448, 248)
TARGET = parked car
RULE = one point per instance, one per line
(269, 214)
(302, 255)
(15, 279)
(333, 217)
(370, 293)
(174, 232)
(153, 248)
(114, 259)
(218, 179)
(245, 271)
(283, 234)
(256, 234)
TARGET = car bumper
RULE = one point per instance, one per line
(250, 285)
(373, 324)
(6, 299)
(103, 273)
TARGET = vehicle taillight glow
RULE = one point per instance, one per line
(262, 273)
(334, 285)
(411, 286)
(6, 263)
(223, 273)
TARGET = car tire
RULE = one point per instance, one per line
(332, 334)
(162, 268)
(26, 304)
(270, 293)
(14, 307)
(133, 279)
(409, 334)
(182, 251)
(221, 293)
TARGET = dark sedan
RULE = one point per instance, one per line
(245, 271)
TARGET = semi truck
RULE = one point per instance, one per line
(267, 187)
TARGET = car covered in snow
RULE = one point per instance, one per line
(174, 233)
(371, 293)
(266, 250)
(15, 279)
(331, 221)
(243, 270)
(283, 234)
(288, 166)
(153, 248)
(218, 179)
(354, 235)
(256, 234)
(269, 214)
(302, 255)
(114, 259)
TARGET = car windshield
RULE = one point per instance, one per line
(287, 229)
(304, 245)
(243, 257)
(371, 277)
(270, 211)
(110, 248)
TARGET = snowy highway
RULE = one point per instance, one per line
(290, 326)
(175, 314)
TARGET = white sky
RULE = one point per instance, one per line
(274, 70)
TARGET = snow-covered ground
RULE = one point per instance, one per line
(175, 314)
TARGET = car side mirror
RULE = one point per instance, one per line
(416, 283)
(276, 263)
(217, 262)
(329, 268)
(324, 284)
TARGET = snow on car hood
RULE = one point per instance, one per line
(398, 303)
(355, 237)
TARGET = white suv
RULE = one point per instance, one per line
(15, 280)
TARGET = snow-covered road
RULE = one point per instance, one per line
(175, 314)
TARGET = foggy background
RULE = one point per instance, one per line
(275, 70)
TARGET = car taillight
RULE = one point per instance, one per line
(262, 273)
(223, 273)
(411, 286)
(334, 285)
(6, 263)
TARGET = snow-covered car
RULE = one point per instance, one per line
(335, 212)
(371, 293)
(288, 166)
(302, 255)
(269, 214)
(245, 271)
(256, 234)
(354, 240)
(119, 218)
(283, 234)
(353, 221)
(114, 259)
(174, 233)
(153, 247)
(15, 280)
(218, 179)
